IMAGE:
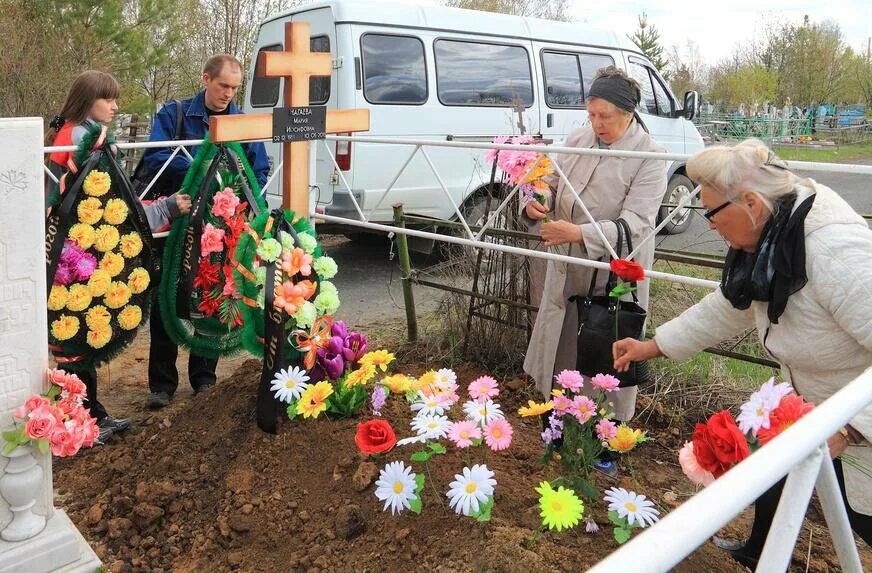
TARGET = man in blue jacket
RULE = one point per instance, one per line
(222, 77)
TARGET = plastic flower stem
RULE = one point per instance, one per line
(432, 483)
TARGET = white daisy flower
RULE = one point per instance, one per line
(396, 487)
(482, 412)
(636, 508)
(412, 440)
(470, 489)
(446, 379)
(289, 384)
(435, 404)
(431, 426)
(754, 414)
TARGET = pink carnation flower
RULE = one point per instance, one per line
(483, 388)
(42, 422)
(605, 382)
(462, 433)
(691, 468)
(212, 240)
(570, 380)
(84, 267)
(224, 203)
(498, 434)
(606, 429)
(583, 408)
(562, 404)
(66, 439)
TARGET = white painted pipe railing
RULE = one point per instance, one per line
(800, 450)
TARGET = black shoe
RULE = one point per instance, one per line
(158, 400)
(736, 550)
(103, 436)
(117, 425)
(203, 388)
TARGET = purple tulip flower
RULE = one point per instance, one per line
(354, 346)
(331, 360)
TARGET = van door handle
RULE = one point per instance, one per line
(549, 120)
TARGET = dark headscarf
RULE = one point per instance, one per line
(617, 90)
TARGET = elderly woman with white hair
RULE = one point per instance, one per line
(799, 269)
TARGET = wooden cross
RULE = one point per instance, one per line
(296, 65)
(519, 109)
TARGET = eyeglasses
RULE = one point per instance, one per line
(709, 215)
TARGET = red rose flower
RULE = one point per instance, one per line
(375, 437)
(790, 409)
(628, 270)
(719, 444)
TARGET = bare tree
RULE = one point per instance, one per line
(548, 9)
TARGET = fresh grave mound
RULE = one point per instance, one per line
(206, 490)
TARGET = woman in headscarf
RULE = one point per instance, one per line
(611, 188)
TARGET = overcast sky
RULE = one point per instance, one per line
(718, 27)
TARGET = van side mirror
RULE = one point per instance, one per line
(690, 102)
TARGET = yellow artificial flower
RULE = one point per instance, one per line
(99, 337)
(130, 317)
(97, 183)
(138, 280)
(99, 281)
(379, 358)
(97, 317)
(107, 238)
(82, 234)
(560, 508)
(118, 295)
(427, 383)
(360, 376)
(313, 400)
(115, 211)
(57, 298)
(535, 409)
(79, 298)
(65, 327)
(90, 211)
(112, 263)
(556, 392)
(625, 439)
(131, 245)
(398, 383)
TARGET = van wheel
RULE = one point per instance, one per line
(679, 187)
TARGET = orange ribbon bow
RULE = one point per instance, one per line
(310, 342)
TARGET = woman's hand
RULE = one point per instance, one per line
(536, 210)
(631, 350)
(837, 444)
(560, 232)
(183, 203)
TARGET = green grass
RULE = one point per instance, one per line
(840, 154)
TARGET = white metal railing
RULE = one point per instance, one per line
(801, 453)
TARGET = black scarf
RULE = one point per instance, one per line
(776, 269)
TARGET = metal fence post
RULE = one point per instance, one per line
(406, 274)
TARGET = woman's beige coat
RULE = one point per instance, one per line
(611, 188)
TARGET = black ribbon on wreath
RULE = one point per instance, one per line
(235, 165)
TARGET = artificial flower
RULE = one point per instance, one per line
(209, 305)
(416, 439)
(570, 380)
(605, 382)
(259, 276)
(635, 508)
(325, 267)
(431, 426)
(307, 242)
(534, 409)
(224, 203)
(554, 431)
(85, 267)
(42, 422)
(427, 381)
(561, 402)
(463, 433)
(396, 487)
(326, 302)
(138, 280)
(432, 404)
(291, 297)
(590, 525)
(97, 317)
(57, 298)
(606, 430)
(296, 261)
(482, 413)
(289, 384)
(560, 508)
(691, 468)
(313, 400)
(719, 444)
(113, 263)
(583, 408)
(330, 358)
(99, 337)
(498, 434)
(64, 327)
(97, 183)
(754, 414)
(378, 358)
(115, 211)
(305, 315)
(360, 376)
(625, 439)
(630, 271)
(131, 245)
(470, 489)
(117, 295)
(90, 211)
(130, 317)
(789, 410)
(207, 275)
(446, 379)
(378, 400)
(106, 238)
(354, 346)
(375, 437)
(287, 240)
(82, 234)
(211, 240)
(269, 250)
(64, 275)
(482, 388)
(79, 298)
(99, 282)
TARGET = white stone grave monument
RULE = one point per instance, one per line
(23, 346)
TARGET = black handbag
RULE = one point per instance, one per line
(596, 324)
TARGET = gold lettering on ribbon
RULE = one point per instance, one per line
(51, 231)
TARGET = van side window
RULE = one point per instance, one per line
(394, 71)
(590, 65)
(478, 74)
(655, 98)
(664, 102)
(265, 91)
(562, 80)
